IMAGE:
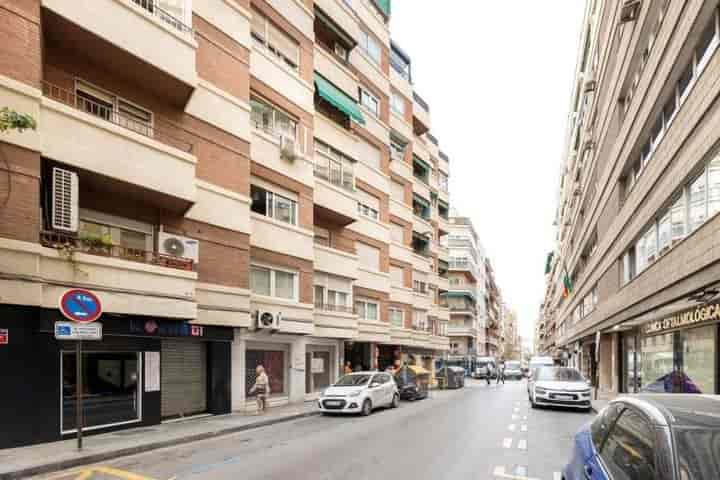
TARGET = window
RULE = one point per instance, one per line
(102, 231)
(628, 450)
(275, 41)
(368, 205)
(112, 108)
(713, 190)
(273, 283)
(367, 211)
(677, 220)
(443, 210)
(400, 64)
(397, 103)
(369, 154)
(397, 275)
(397, 149)
(370, 46)
(367, 310)
(419, 321)
(266, 117)
(397, 191)
(698, 205)
(421, 170)
(708, 42)
(369, 101)
(602, 425)
(274, 362)
(397, 233)
(369, 256)
(273, 205)
(334, 166)
(420, 287)
(443, 181)
(396, 317)
(421, 207)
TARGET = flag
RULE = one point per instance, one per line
(567, 284)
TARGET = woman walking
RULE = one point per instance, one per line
(261, 389)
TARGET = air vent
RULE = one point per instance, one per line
(64, 200)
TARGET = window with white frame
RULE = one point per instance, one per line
(419, 320)
(273, 205)
(274, 282)
(368, 256)
(370, 46)
(397, 149)
(367, 310)
(332, 292)
(369, 101)
(368, 205)
(397, 103)
(334, 166)
(132, 237)
(269, 37)
(268, 118)
(420, 287)
(113, 108)
(397, 317)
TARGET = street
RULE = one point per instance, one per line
(480, 432)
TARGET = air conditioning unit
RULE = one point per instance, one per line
(177, 246)
(268, 320)
(65, 206)
(629, 11)
(287, 148)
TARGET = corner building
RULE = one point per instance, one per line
(639, 200)
(239, 182)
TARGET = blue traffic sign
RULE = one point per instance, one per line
(80, 305)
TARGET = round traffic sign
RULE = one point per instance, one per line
(80, 305)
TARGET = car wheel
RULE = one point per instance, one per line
(395, 401)
(366, 408)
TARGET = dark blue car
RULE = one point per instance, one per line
(650, 437)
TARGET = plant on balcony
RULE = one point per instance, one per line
(12, 120)
(98, 244)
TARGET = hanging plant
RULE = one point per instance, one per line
(12, 120)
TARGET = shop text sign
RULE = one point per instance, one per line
(78, 331)
(684, 319)
(166, 329)
(4, 336)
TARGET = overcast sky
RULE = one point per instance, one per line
(498, 77)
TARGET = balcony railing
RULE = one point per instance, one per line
(94, 246)
(151, 7)
(421, 102)
(159, 129)
(329, 307)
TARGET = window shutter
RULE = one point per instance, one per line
(369, 155)
(367, 199)
(283, 43)
(65, 200)
(397, 233)
(369, 256)
(398, 191)
(397, 274)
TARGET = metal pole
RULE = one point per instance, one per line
(78, 393)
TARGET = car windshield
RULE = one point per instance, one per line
(353, 380)
(697, 450)
(551, 374)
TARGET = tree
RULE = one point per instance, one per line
(12, 120)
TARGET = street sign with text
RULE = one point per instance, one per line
(78, 331)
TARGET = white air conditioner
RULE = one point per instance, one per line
(287, 148)
(268, 320)
(629, 11)
(65, 196)
(177, 246)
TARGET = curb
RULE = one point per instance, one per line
(124, 452)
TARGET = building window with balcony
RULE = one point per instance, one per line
(370, 46)
(400, 63)
(421, 207)
(367, 310)
(271, 120)
(334, 166)
(368, 256)
(273, 205)
(421, 170)
(368, 205)
(110, 107)
(367, 211)
(420, 244)
(397, 317)
(419, 320)
(397, 149)
(420, 287)
(369, 101)
(397, 103)
(272, 39)
(331, 37)
(332, 293)
(443, 210)
(274, 282)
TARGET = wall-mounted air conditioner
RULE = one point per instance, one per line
(268, 320)
(178, 246)
(288, 148)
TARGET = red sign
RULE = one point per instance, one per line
(4, 336)
(80, 305)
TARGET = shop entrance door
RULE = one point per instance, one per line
(183, 378)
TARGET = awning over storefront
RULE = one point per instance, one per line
(337, 98)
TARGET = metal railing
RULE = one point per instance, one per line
(329, 307)
(93, 246)
(167, 18)
(335, 176)
(159, 129)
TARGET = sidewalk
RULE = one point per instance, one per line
(603, 398)
(48, 457)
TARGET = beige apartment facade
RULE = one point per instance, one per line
(637, 215)
(238, 182)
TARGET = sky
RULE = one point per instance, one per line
(498, 77)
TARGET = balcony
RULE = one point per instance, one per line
(128, 36)
(329, 67)
(334, 194)
(335, 262)
(461, 331)
(334, 321)
(266, 149)
(421, 115)
(155, 155)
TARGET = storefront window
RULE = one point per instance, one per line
(698, 358)
(630, 382)
(317, 371)
(110, 388)
(657, 363)
(274, 363)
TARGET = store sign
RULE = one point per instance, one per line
(166, 329)
(78, 331)
(4, 336)
(706, 313)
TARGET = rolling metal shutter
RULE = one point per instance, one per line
(183, 378)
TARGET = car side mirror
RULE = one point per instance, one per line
(374, 384)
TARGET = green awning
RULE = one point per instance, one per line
(338, 98)
(421, 200)
(384, 5)
(422, 163)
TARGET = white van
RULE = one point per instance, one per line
(484, 367)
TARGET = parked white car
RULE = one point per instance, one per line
(559, 386)
(360, 392)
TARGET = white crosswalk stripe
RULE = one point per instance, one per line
(507, 442)
(522, 444)
(511, 427)
(523, 428)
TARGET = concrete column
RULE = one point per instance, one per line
(608, 363)
(238, 372)
(297, 370)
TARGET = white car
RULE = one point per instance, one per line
(559, 386)
(360, 392)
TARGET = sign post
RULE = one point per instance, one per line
(82, 307)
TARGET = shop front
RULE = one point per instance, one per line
(144, 370)
(675, 354)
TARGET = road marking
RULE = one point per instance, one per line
(516, 409)
(515, 416)
(522, 444)
(499, 472)
(524, 417)
(511, 427)
(523, 428)
(507, 442)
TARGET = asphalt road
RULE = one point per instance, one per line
(479, 432)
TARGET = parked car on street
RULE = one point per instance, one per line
(513, 370)
(558, 386)
(650, 436)
(360, 392)
(412, 382)
(485, 366)
(537, 362)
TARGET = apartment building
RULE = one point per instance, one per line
(238, 182)
(512, 346)
(637, 218)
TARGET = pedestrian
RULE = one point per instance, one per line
(261, 389)
(348, 368)
(501, 373)
(488, 372)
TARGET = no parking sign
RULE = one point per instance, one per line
(80, 305)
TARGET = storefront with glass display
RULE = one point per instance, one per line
(677, 354)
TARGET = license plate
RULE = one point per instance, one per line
(564, 397)
(333, 403)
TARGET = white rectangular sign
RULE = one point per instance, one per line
(78, 331)
(318, 365)
(152, 371)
